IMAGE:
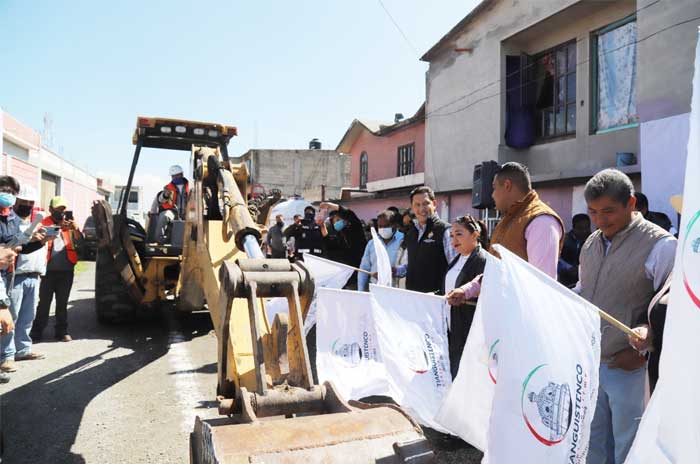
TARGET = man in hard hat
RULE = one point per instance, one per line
(17, 345)
(61, 256)
(172, 202)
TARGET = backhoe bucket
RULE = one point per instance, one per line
(379, 434)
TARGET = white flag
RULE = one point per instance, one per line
(670, 428)
(549, 357)
(466, 411)
(412, 336)
(383, 261)
(326, 274)
(528, 379)
(346, 344)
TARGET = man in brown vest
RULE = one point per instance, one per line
(621, 265)
(529, 228)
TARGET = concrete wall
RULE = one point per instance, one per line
(664, 91)
(382, 152)
(300, 172)
(463, 131)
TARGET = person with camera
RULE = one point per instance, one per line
(62, 256)
(9, 231)
(171, 202)
(22, 290)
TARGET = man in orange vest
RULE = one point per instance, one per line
(172, 202)
(61, 259)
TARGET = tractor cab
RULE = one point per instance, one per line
(147, 260)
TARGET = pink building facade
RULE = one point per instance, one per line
(387, 161)
(24, 158)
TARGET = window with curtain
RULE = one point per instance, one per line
(405, 160)
(363, 169)
(615, 75)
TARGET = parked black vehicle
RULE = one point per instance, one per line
(89, 246)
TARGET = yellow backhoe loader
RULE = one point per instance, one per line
(272, 410)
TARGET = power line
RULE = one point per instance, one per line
(517, 87)
(497, 81)
(415, 50)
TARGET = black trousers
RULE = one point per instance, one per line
(461, 318)
(53, 283)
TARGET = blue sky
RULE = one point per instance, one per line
(283, 72)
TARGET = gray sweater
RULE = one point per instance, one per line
(616, 282)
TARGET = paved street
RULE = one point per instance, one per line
(125, 394)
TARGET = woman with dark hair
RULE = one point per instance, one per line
(469, 237)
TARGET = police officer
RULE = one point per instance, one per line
(307, 235)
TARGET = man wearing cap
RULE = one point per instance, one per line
(62, 257)
(17, 345)
(172, 201)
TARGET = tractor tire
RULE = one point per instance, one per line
(113, 303)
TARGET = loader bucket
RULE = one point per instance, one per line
(378, 434)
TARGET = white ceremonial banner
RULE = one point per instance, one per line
(346, 344)
(466, 411)
(548, 362)
(412, 336)
(383, 261)
(326, 274)
(670, 428)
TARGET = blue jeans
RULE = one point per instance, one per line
(617, 414)
(23, 297)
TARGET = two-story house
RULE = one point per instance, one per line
(567, 87)
(387, 161)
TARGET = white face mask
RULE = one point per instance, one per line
(386, 232)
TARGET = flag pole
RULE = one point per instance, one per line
(615, 323)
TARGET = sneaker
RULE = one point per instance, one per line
(29, 357)
(8, 365)
(66, 338)
(4, 378)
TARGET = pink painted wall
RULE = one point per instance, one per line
(368, 209)
(559, 198)
(20, 130)
(79, 198)
(382, 152)
(25, 173)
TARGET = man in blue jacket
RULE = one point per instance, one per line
(391, 238)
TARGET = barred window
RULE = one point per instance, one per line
(363, 169)
(405, 160)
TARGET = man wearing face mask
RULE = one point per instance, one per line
(306, 234)
(348, 243)
(62, 257)
(275, 240)
(391, 238)
(9, 230)
(171, 202)
(17, 345)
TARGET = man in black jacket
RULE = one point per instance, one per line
(428, 245)
(306, 234)
(348, 243)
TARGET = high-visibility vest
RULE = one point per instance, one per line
(170, 204)
(67, 236)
